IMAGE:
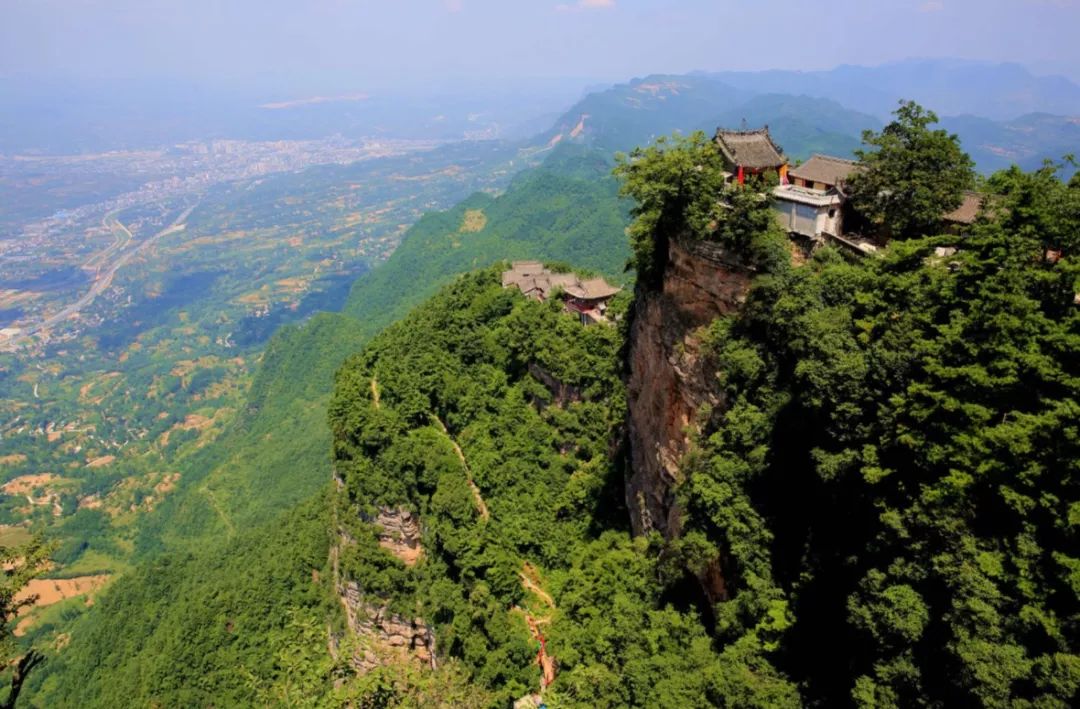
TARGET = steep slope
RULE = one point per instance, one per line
(274, 456)
(566, 210)
(241, 624)
(638, 112)
(671, 381)
(528, 575)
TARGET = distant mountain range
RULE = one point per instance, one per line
(636, 113)
(827, 111)
(949, 86)
(1025, 141)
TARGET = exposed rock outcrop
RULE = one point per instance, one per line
(384, 633)
(562, 393)
(670, 383)
(383, 636)
(399, 533)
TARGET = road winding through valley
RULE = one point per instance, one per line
(103, 280)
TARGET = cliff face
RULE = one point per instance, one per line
(381, 634)
(670, 381)
(384, 636)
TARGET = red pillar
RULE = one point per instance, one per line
(742, 176)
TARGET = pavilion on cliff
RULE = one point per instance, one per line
(751, 152)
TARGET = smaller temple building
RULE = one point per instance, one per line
(751, 152)
(811, 205)
(587, 298)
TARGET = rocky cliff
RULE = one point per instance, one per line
(383, 636)
(671, 387)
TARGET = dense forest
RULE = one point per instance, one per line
(242, 623)
(891, 482)
(542, 536)
(898, 462)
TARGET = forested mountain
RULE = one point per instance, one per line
(566, 210)
(901, 439)
(881, 461)
(880, 452)
(638, 112)
(239, 622)
(809, 112)
(276, 453)
(1026, 141)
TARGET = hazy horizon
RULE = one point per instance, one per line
(337, 45)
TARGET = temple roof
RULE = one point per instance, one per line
(826, 169)
(968, 209)
(531, 277)
(754, 149)
(592, 289)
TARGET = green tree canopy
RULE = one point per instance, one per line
(898, 462)
(21, 564)
(912, 174)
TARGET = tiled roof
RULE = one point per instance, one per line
(754, 149)
(592, 289)
(532, 277)
(968, 209)
(827, 169)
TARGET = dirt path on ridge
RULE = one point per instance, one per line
(481, 506)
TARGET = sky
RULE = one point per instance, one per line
(357, 44)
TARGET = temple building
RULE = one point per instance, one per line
(812, 204)
(811, 199)
(751, 152)
(586, 298)
(959, 220)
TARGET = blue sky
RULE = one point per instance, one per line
(368, 43)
